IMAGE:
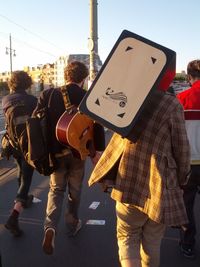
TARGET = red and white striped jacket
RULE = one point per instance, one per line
(190, 100)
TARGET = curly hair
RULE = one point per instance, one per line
(19, 81)
(76, 72)
(193, 68)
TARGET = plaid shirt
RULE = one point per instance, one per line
(152, 169)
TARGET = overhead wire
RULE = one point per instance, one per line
(37, 35)
(34, 34)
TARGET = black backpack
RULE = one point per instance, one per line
(29, 137)
(37, 135)
(38, 154)
(16, 117)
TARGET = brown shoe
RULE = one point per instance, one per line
(48, 241)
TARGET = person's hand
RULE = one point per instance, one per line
(96, 157)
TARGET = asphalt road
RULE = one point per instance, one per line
(94, 246)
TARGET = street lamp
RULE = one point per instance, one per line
(11, 52)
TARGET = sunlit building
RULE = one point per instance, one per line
(51, 74)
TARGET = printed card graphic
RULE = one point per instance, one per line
(134, 67)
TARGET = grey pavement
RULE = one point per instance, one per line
(94, 246)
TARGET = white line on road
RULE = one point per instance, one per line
(94, 205)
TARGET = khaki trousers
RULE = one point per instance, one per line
(138, 236)
(68, 175)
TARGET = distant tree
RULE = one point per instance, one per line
(180, 77)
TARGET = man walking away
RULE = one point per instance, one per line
(190, 100)
(17, 107)
(149, 177)
(69, 172)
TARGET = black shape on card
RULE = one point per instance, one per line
(97, 102)
(121, 115)
(153, 60)
(129, 48)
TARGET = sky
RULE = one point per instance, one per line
(43, 30)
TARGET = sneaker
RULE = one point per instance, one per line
(28, 202)
(48, 241)
(187, 251)
(75, 229)
(13, 226)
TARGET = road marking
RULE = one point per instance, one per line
(94, 205)
(36, 200)
(96, 222)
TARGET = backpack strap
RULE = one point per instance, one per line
(50, 97)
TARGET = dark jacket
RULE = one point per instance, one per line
(12, 99)
(52, 99)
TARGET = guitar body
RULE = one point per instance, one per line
(76, 131)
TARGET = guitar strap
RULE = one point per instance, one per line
(68, 106)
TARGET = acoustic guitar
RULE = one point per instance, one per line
(76, 131)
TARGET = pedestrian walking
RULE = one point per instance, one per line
(18, 105)
(147, 177)
(190, 100)
(69, 172)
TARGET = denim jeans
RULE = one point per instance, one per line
(68, 175)
(139, 238)
(25, 173)
(188, 232)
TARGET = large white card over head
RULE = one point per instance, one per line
(134, 68)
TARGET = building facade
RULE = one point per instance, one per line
(51, 75)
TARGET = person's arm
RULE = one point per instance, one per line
(99, 142)
(96, 157)
(99, 137)
(180, 145)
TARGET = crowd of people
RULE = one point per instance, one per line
(156, 175)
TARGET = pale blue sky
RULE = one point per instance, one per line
(43, 30)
